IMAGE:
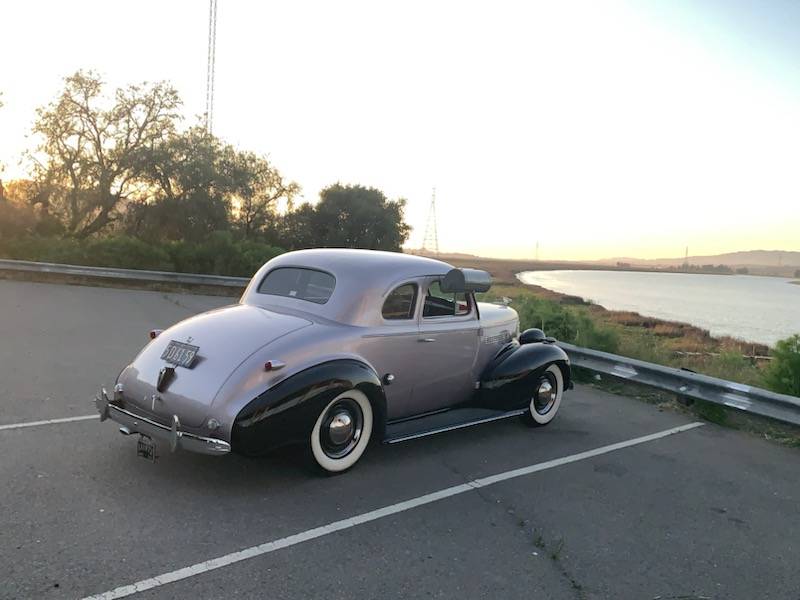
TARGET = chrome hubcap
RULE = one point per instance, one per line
(341, 428)
(545, 396)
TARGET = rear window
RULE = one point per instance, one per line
(305, 284)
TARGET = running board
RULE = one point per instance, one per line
(409, 429)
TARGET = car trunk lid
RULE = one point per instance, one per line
(225, 337)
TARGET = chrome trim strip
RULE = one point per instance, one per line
(451, 330)
(390, 334)
(415, 332)
(414, 436)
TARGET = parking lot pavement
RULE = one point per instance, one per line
(59, 343)
(705, 513)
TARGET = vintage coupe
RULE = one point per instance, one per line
(333, 348)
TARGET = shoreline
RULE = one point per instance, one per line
(637, 319)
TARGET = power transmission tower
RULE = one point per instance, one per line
(431, 240)
(212, 58)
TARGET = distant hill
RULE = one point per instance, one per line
(748, 258)
(757, 262)
(761, 262)
(441, 256)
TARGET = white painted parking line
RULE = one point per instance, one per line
(49, 422)
(373, 515)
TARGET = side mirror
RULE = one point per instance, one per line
(466, 280)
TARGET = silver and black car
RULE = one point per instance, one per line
(332, 349)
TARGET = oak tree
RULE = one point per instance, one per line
(87, 161)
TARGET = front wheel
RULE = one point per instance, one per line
(342, 431)
(545, 397)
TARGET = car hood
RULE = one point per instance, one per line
(226, 337)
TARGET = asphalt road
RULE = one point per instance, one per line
(703, 513)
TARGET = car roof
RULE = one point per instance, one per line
(376, 264)
(363, 278)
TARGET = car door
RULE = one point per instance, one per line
(392, 347)
(446, 349)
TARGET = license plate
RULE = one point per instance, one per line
(146, 448)
(180, 354)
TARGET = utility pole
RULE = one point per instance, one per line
(431, 240)
(211, 66)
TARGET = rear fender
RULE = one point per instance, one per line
(286, 413)
(508, 379)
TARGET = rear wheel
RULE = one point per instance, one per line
(342, 432)
(545, 397)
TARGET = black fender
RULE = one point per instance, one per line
(509, 378)
(286, 413)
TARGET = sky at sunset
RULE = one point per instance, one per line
(598, 129)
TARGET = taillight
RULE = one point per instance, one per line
(154, 333)
(273, 365)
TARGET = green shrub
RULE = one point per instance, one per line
(44, 249)
(125, 252)
(783, 373)
(565, 324)
(220, 254)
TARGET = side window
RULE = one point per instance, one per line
(462, 304)
(439, 304)
(400, 304)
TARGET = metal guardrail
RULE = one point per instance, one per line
(688, 384)
(678, 381)
(123, 274)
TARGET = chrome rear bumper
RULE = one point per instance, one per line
(173, 436)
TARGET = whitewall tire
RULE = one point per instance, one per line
(342, 431)
(545, 397)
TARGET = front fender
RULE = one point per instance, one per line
(286, 413)
(508, 379)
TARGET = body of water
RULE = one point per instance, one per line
(756, 309)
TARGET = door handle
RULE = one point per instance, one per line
(427, 340)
